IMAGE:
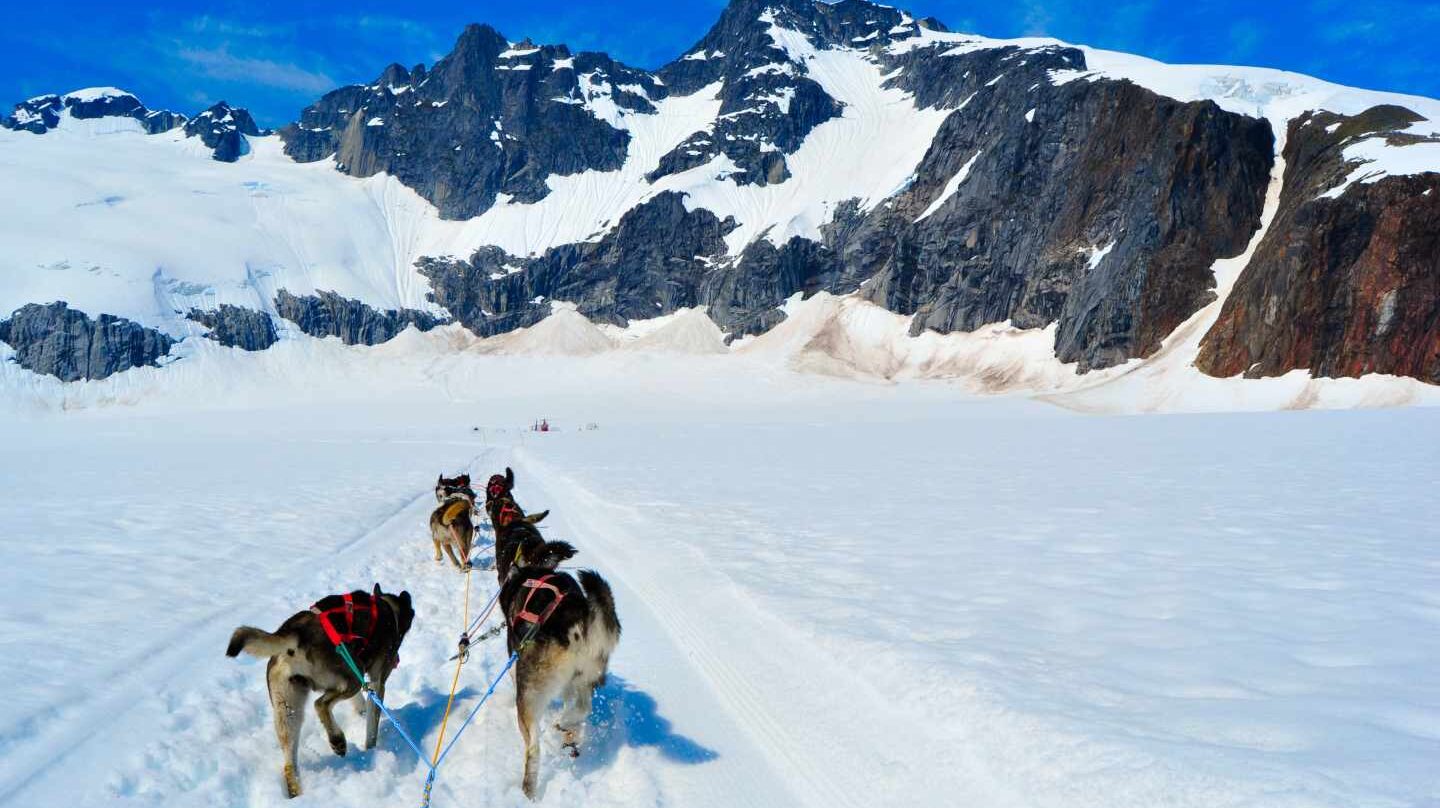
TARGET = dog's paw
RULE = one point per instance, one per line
(292, 782)
(337, 743)
(572, 749)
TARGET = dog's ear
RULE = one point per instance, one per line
(375, 593)
(537, 518)
(463, 480)
(439, 479)
(405, 597)
(509, 478)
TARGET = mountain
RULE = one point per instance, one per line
(41, 114)
(1228, 221)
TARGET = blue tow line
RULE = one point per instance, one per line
(433, 770)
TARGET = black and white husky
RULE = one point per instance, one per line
(564, 631)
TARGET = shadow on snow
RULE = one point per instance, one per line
(623, 715)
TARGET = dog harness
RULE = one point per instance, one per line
(509, 512)
(351, 603)
(496, 487)
(535, 585)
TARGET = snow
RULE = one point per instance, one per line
(565, 333)
(785, 69)
(780, 99)
(951, 186)
(514, 52)
(252, 227)
(687, 331)
(833, 594)
(866, 153)
(95, 94)
(376, 121)
(1378, 159)
(1097, 254)
(563, 64)
(1030, 116)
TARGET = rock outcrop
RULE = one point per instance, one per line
(329, 315)
(1347, 280)
(1095, 204)
(237, 327)
(650, 264)
(222, 128)
(490, 118)
(59, 341)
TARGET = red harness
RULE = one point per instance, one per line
(359, 639)
(535, 585)
(509, 512)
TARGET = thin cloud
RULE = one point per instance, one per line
(219, 63)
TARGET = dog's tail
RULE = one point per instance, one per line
(602, 604)
(259, 643)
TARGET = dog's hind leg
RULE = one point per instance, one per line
(438, 559)
(529, 704)
(287, 702)
(577, 712)
(450, 551)
(467, 543)
(323, 708)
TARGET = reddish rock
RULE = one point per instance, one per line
(1339, 286)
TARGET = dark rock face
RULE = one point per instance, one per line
(650, 264)
(223, 128)
(41, 114)
(330, 315)
(237, 327)
(58, 341)
(487, 119)
(1341, 285)
(1095, 204)
(768, 103)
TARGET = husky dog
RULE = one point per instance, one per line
(499, 486)
(452, 528)
(303, 659)
(564, 632)
(518, 544)
(444, 486)
(499, 491)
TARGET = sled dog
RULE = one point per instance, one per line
(452, 528)
(303, 658)
(564, 631)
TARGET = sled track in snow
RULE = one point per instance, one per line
(772, 688)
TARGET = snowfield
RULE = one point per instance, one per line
(833, 593)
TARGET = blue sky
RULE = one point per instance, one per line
(276, 58)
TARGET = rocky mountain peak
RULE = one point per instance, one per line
(223, 129)
(43, 113)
